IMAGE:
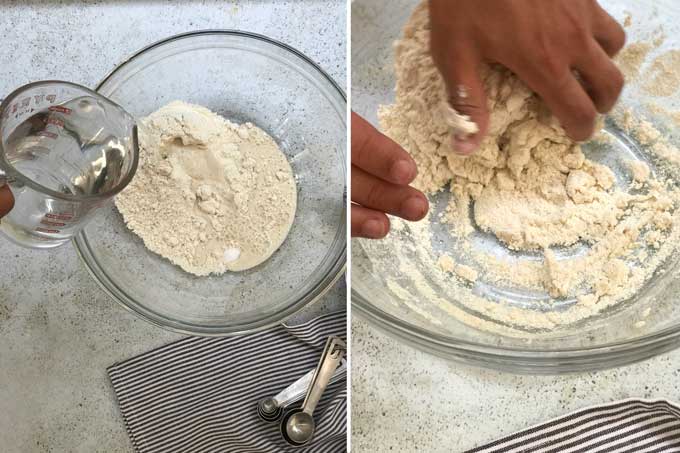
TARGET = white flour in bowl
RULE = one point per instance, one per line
(209, 195)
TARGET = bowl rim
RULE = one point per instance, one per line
(337, 267)
(224, 32)
(520, 360)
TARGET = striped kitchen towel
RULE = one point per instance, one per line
(630, 426)
(200, 395)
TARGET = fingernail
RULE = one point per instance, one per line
(373, 229)
(463, 146)
(403, 171)
(462, 92)
(414, 208)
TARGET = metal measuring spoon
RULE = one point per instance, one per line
(271, 409)
(297, 427)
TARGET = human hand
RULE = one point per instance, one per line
(6, 201)
(381, 174)
(543, 42)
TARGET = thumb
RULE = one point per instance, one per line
(6, 200)
(467, 97)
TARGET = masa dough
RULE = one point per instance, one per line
(529, 186)
(209, 195)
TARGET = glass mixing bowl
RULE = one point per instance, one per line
(245, 78)
(615, 336)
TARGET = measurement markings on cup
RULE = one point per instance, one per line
(52, 221)
(55, 121)
(48, 231)
(60, 109)
(62, 216)
(53, 224)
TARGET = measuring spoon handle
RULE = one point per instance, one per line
(330, 360)
(300, 386)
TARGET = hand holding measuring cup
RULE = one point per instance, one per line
(65, 151)
(6, 201)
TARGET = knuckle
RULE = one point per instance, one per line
(361, 149)
(561, 80)
(578, 37)
(375, 195)
(548, 59)
(588, 6)
(552, 67)
(577, 34)
(610, 91)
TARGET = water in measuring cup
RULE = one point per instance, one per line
(78, 148)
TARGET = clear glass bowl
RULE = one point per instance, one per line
(244, 77)
(611, 338)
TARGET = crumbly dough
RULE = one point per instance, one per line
(531, 187)
(447, 264)
(460, 124)
(209, 195)
(631, 58)
(639, 170)
(663, 76)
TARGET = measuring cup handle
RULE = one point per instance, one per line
(3, 176)
(6, 197)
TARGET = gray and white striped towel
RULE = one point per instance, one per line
(630, 426)
(199, 395)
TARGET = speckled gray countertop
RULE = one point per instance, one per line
(404, 400)
(58, 330)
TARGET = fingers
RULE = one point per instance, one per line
(6, 201)
(466, 96)
(565, 97)
(602, 78)
(378, 155)
(368, 223)
(381, 172)
(374, 193)
(608, 33)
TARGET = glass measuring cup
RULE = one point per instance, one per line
(65, 151)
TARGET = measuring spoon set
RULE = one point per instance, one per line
(298, 426)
